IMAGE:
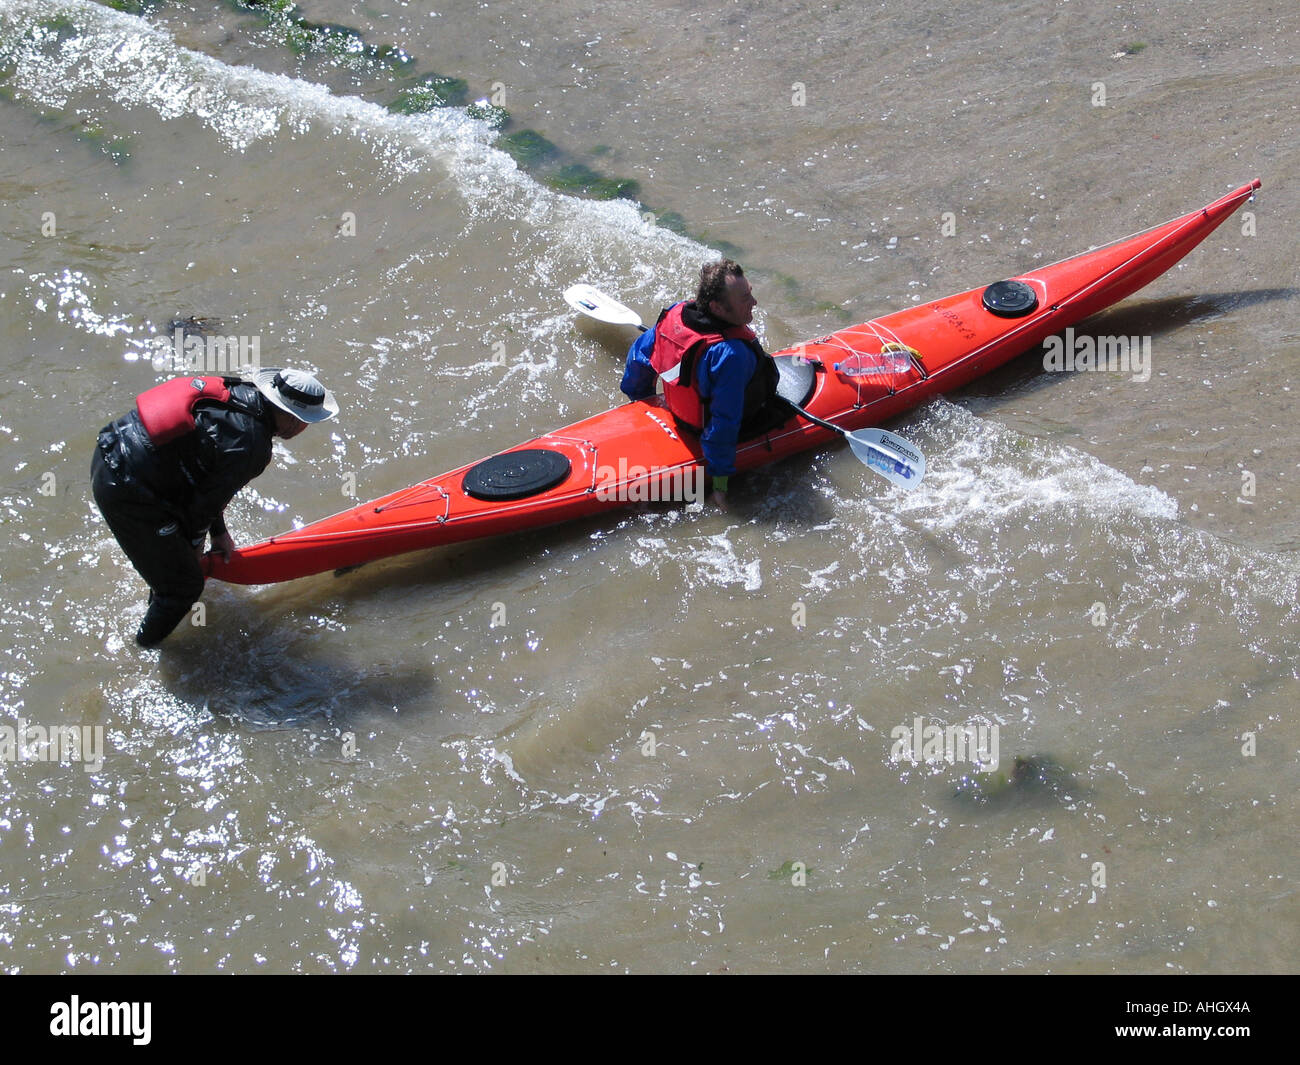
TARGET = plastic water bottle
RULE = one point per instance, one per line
(889, 360)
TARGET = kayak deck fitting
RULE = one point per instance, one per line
(609, 460)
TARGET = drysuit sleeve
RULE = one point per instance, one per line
(639, 378)
(233, 449)
(723, 375)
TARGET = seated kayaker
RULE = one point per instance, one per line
(718, 380)
(163, 473)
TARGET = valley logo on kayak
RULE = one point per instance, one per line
(626, 483)
(919, 742)
(1104, 354)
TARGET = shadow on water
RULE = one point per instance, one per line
(1152, 318)
(782, 493)
(267, 668)
(786, 493)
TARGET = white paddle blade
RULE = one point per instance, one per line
(890, 456)
(588, 300)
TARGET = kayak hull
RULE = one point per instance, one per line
(636, 452)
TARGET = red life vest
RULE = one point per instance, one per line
(167, 410)
(673, 357)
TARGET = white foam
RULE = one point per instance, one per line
(707, 559)
(125, 60)
(981, 472)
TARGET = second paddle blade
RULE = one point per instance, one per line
(589, 300)
(890, 456)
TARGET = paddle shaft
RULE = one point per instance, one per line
(816, 420)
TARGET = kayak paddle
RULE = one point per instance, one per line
(595, 304)
(896, 460)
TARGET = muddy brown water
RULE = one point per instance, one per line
(660, 742)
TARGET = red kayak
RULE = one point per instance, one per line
(635, 452)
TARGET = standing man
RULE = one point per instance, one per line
(718, 381)
(163, 474)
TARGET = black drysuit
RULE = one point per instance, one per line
(161, 501)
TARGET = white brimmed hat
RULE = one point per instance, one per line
(298, 393)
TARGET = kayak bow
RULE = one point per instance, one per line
(635, 452)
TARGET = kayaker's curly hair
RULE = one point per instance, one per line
(713, 281)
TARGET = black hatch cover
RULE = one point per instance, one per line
(517, 474)
(1010, 299)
